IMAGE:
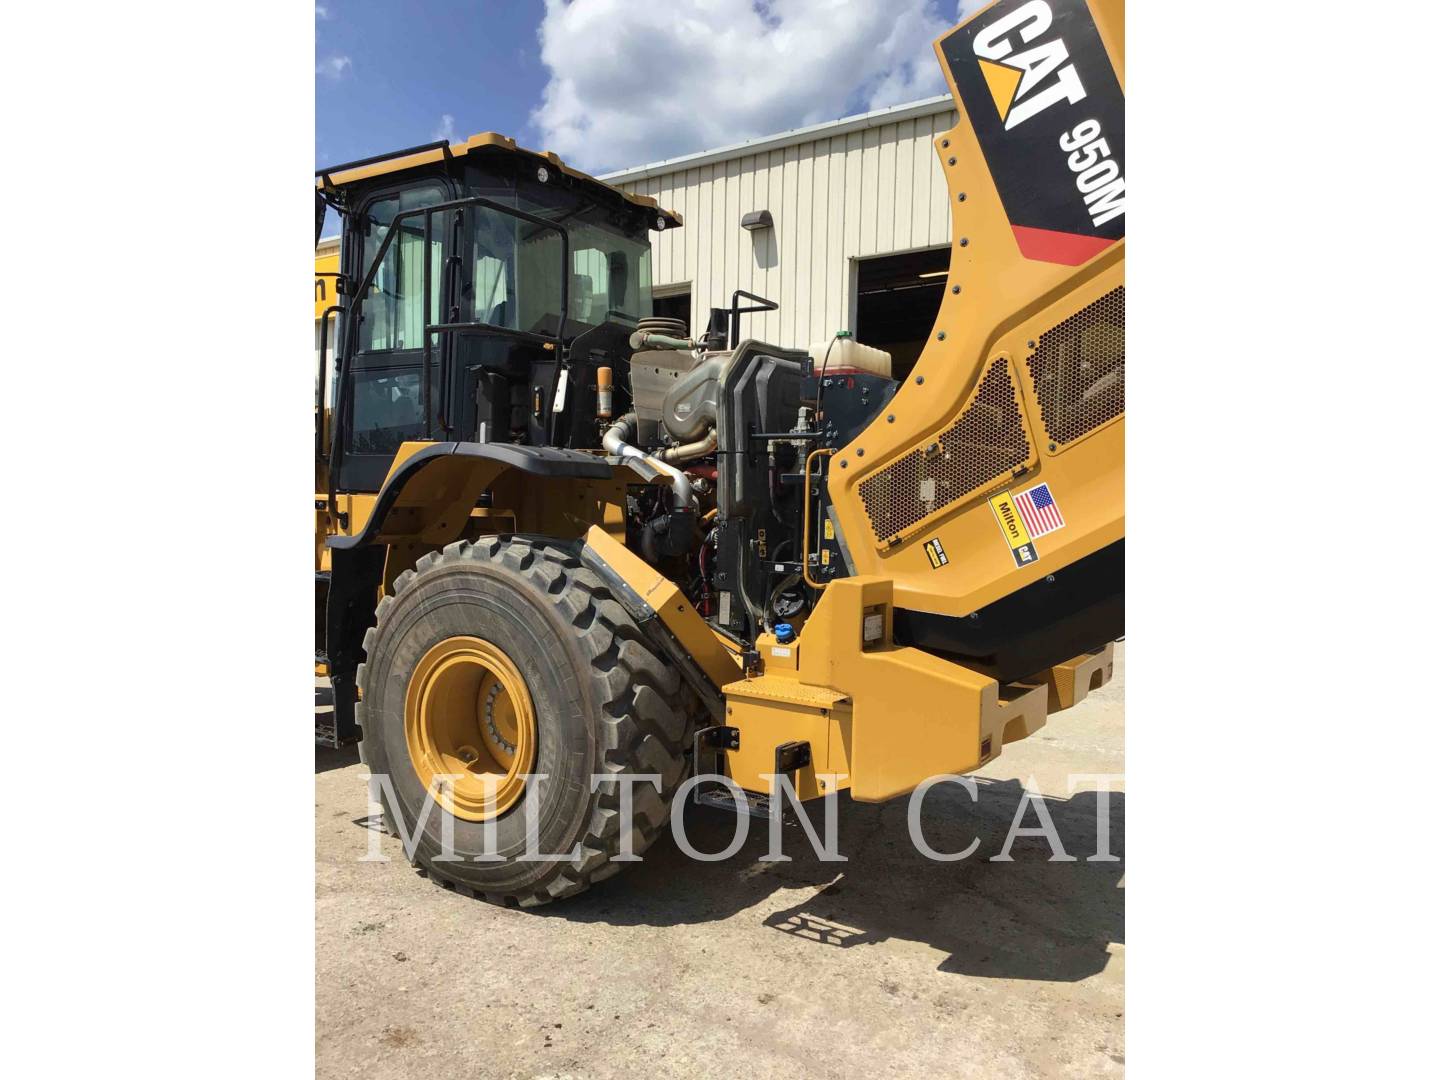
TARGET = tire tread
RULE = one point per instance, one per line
(645, 716)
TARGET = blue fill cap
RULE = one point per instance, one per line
(784, 633)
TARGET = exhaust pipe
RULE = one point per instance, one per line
(617, 444)
(691, 450)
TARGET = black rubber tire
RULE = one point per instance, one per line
(605, 702)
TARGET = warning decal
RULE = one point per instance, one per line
(1012, 526)
(935, 553)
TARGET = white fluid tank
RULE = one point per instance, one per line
(848, 355)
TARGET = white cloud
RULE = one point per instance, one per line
(446, 130)
(332, 67)
(631, 83)
(321, 11)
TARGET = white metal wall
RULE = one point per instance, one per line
(835, 198)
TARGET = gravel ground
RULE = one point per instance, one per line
(889, 964)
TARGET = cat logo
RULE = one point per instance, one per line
(1027, 82)
(1012, 527)
(1036, 83)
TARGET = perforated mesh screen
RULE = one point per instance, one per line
(1078, 369)
(985, 444)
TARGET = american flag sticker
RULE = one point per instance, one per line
(1039, 510)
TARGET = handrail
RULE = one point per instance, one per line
(425, 390)
(449, 301)
(320, 388)
(805, 525)
(736, 311)
(377, 158)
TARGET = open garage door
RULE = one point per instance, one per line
(673, 303)
(899, 297)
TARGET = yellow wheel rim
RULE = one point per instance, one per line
(468, 716)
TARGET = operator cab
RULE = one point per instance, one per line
(482, 287)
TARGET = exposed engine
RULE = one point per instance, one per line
(734, 441)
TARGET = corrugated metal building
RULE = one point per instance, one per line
(860, 236)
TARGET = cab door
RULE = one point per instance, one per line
(383, 400)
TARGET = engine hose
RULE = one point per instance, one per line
(820, 383)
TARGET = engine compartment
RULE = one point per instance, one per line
(749, 429)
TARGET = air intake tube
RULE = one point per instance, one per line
(669, 534)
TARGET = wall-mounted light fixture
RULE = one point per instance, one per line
(756, 220)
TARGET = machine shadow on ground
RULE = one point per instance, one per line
(327, 760)
(1025, 919)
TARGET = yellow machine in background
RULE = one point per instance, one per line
(327, 269)
(566, 539)
(327, 274)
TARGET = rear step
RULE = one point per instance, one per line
(328, 731)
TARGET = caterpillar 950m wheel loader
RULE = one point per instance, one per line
(568, 545)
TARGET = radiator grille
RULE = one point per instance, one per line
(1078, 369)
(987, 442)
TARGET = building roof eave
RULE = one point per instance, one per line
(793, 137)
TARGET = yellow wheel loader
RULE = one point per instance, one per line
(573, 555)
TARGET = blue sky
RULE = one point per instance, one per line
(404, 66)
(611, 83)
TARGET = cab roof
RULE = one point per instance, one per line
(337, 176)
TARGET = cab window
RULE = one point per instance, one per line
(393, 317)
(515, 272)
(609, 275)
